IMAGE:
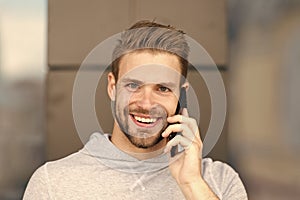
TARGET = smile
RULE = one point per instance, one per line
(144, 121)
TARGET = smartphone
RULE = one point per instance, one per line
(182, 103)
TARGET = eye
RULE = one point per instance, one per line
(163, 89)
(132, 86)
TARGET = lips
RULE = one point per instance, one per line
(144, 121)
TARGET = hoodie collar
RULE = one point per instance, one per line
(100, 147)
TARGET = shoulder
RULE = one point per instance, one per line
(74, 158)
(77, 162)
(41, 174)
(218, 168)
(70, 164)
(37, 186)
(56, 176)
(223, 179)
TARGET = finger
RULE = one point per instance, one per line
(178, 119)
(176, 157)
(178, 139)
(182, 128)
(183, 117)
(185, 112)
(191, 122)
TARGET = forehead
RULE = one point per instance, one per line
(149, 65)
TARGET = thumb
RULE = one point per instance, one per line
(184, 112)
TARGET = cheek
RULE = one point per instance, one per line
(171, 106)
(123, 96)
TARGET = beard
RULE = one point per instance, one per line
(144, 143)
(140, 137)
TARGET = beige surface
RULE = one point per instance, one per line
(262, 145)
(76, 27)
(204, 21)
(62, 138)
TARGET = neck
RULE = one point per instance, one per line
(120, 140)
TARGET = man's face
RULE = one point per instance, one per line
(145, 95)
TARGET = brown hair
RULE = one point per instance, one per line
(153, 37)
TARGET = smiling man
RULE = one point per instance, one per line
(143, 103)
(148, 78)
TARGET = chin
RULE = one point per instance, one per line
(144, 143)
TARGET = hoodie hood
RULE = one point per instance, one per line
(100, 147)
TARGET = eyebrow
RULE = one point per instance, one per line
(166, 84)
(127, 80)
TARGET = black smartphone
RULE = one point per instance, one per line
(182, 103)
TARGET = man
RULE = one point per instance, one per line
(137, 161)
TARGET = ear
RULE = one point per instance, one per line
(111, 86)
(186, 85)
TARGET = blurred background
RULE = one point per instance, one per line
(255, 44)
(23, 36)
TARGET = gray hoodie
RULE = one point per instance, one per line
(102, 171)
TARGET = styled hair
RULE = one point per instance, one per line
(154, 38)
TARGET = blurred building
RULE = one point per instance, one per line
(22, 68)
(264, 123)
(262, 80)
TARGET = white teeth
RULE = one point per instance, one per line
(145, 120)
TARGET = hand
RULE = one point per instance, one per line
(185, 167)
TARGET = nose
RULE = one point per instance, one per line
(145, 97)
